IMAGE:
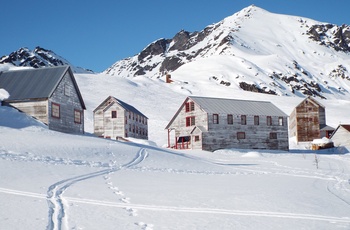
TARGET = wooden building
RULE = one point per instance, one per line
(341, 135)
(308, 121)
(50, 95)
(217, 123)
(115, 119)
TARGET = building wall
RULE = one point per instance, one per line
(305, 121)
(224, 135)
(126, 123)
(36, 109)
(67, 97)
(341, 137)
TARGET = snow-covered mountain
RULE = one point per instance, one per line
(38, 58)
(253, 50)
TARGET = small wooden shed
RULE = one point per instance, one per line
(50, 95)
(116, 119)
(308, 121)
(217, 123)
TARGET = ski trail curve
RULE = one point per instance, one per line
(54, 193)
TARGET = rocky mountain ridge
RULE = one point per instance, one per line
(38, 58)
(306, 55)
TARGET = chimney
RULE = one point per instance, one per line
(168, 78)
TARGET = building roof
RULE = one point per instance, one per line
(35, 83)
(324, 127)
(124, 105)
(234, 106)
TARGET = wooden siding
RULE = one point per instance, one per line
(341, 137)
(36, 109)
(224, 135)
(305, 121)
(126, 123)
(67, 97)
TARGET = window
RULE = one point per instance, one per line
(243, 119)
(189, 106)
(77, 116)
(273, 135)
(215, 118)
(55, 110)
(196, 138)
(256, 120)
(114, 114)
(268, 120)
(190, 121)
(229, 119)
(66, 90)
(240, 135)
(280, 121)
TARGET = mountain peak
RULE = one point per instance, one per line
(38, 58)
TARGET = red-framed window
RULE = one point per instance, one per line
(268, 120)
(243, 119)
(215, 118)
(114, 114)
(189, 106)
(230, 119)
(77, 116)
(55, 110)
(196, 138)
(273, 135)
(190, 121)
(240, 135)
(256, 120)
(280, 121)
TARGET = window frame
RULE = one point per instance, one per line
(55, 106)
(215, 118)
(280, 121)
(273, 136)
(256, 120)
(243, 119)
(241, 136)
(269, 121)
(114, 114)
(229, 119)
(190, 121)
(77, 111)
(189, 106)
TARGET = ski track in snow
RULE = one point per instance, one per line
(130, 207)
(57, 216)
(337, 184)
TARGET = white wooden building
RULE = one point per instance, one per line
(50, 95)
(341, 135)
(115, 119)
(216, 123)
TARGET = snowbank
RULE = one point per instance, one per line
(4, 94)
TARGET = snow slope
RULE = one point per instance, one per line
(52, 180)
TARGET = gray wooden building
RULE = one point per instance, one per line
(116, 119)
(217, 123)
(341, 135)
(308, 121)
(50, 95)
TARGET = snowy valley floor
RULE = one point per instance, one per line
(51, 180)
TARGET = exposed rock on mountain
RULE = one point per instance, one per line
(252, 50)
(37, 58)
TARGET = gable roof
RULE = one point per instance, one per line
(312, 100)
(124, 105)
(233, 106)
(35, 83)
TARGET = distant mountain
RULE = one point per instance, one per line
(38, 58)
(253, 50)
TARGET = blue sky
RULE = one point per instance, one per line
(95, 34)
